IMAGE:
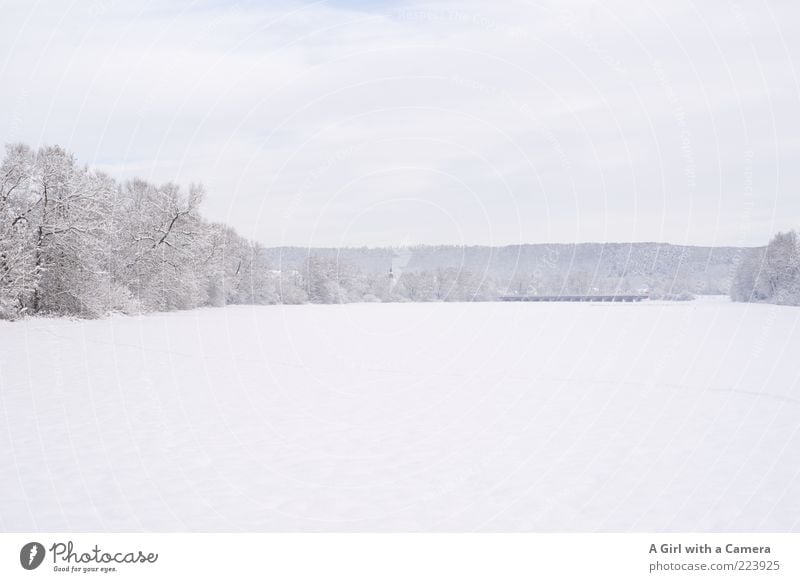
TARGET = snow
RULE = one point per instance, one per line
(405, 417)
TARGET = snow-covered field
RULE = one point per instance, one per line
(405, 417)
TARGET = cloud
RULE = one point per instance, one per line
(353, 122)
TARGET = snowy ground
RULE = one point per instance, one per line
(486, 416)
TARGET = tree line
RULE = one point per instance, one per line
(770, 274)
(75, 241)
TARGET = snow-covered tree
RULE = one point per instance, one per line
(16, 250)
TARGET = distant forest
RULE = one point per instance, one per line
(77, 242)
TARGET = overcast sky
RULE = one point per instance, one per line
(391, 122)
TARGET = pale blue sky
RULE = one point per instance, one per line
(381, 123)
